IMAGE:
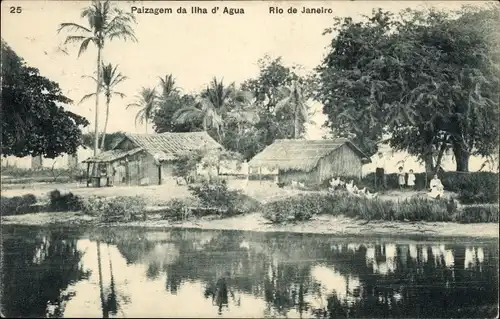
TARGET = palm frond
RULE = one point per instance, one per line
(86, 97)
(84, 45)
(72, 27)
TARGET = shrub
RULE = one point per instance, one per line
(298, 208)
(17, 204)
(64, 202)
(178, 209)
(476, 187)
(214, 194)
(423, 209)
(120, 208)
(479, 214)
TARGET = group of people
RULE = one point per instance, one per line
(435, 185)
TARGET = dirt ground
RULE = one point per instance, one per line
(260, 190)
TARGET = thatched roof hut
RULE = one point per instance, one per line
(312, 161)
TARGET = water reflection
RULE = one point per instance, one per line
(135, 273)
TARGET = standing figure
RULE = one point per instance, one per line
(401, 178)
(380, 180)
(411, 179)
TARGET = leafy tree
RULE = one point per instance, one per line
(169, 102)
(295, 101)
(34, 120)
(110, 79)
(105, 22)
(110, 141)
(212, 106)
(267, 88)
(163, 117)
(428, 79)
(146, 100)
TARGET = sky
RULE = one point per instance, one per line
(192, 47)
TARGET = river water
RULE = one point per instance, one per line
(104, 272)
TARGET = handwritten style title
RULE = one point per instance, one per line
(190, 10)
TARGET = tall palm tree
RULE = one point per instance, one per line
(212, 106)
(167, 86)
(110, 79)
(146, 100)
(295, 100)
(104, 23)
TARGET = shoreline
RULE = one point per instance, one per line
(322, 224)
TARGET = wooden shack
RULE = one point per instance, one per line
(311, 161)
(145, 159)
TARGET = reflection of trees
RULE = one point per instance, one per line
(38, 266)
(397, 281)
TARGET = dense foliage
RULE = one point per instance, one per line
(64, 202)
(243, 119)
(427, 78)
(17, 204)
(115, 209)
(110, 140)
(34, 121)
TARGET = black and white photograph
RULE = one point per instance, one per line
(249, 159)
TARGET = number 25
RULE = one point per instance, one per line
(16, 9)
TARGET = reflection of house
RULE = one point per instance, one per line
(140, 159)
(311, 161)
(64, 161)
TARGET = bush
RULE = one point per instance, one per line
(17, 204)
(179, 209)
(298, 208)
(120, 208)
(64, 202)
(476, 187)
(479, 214)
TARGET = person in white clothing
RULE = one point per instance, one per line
(411, 179)
(437, 188)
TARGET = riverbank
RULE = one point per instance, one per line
(334, 225)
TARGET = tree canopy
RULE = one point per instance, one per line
(34, 121)
(428, 79)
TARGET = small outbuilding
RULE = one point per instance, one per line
(146, 159)
(311, 161)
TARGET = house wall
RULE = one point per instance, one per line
(299, 176)
(142, 166)
(343, 162)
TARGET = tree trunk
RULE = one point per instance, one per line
(98, 89)
(296, 126)
(96, 119)
(461, 157)
(108, 98)
(442, 149)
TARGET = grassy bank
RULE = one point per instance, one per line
(305, 206)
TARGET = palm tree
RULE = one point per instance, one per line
(104, 23)
(167, 86)
(295, 100)
(110, 79)
(212, 106)
(147, 101)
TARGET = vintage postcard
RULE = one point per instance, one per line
(249, 159)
